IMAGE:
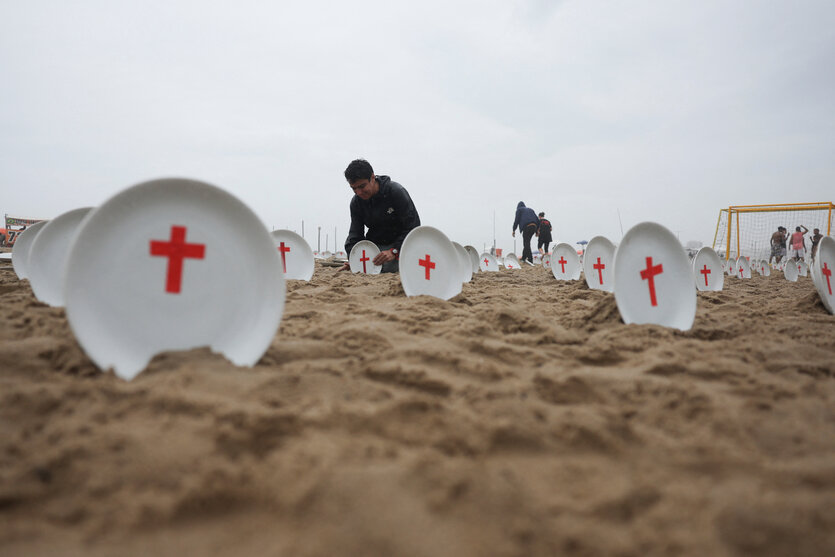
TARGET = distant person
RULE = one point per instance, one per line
(778, 245)
(528, 223)
(544, 234)
(816, 238)
(797, 242)
(382, 206)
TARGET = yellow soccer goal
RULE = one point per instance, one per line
(747, 229)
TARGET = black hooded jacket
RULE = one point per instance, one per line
(524, 217)
(389, 216)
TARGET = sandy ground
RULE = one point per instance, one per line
(520, 418)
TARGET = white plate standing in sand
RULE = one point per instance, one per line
(546, 260)
(362, 257)
(22, 248)
(511, 261)
(597, 263)
(473, 255)
(429, 264)
(487, 262)
(743, 268)
(565, 263)
(823, 265)
(296, 256)
(802, 268)
(654, 278)
(707, 268)
(730, 268)
(173, 264)
(48, 256)
(765, 268)
(790, 270)
(466, 265)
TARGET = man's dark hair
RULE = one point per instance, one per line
(542, 214)
(359, 169)
(797, 228)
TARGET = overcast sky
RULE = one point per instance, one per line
(662, 110)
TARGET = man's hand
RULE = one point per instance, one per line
(514, 234)
(383, 257)
(344, 267)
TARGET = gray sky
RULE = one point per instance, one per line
(664, 110)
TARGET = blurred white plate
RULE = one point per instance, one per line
(707, 269)
(295, 253)
(597, 264)
(654, 278)
(429, 264)
(565, 263)
(22, 248)
(173, 264)
(48, 256)
(362, 258)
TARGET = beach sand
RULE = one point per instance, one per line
(520, 418)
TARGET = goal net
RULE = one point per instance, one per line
(746, 229)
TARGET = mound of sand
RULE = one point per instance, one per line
(520, 418)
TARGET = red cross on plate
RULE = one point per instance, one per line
(176, 250)
(648, 274)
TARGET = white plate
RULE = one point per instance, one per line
(707, 269)
(546, 260)
(22, 248)
(654, 278)
(802, 268)
(48, 256)
(487, 262)
(743, 268)
(823, 275)
(429, 264)
(127, 300)
(511, 261)
(597, 264)
(565, 263)
(296, 256)
(362, 258)
(790, 270)
(466, 264)
(473, 254)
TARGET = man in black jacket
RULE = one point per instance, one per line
(382, 206)
(528, 223)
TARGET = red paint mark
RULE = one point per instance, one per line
(562, 263)
(827, 272)
(283, 249)
(364, 259)
(705, 271)
(486, 262)
(648, 274)
(176, 250)
(428, 263)
(741, 272)
(599, 266)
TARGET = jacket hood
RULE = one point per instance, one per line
(520, 205)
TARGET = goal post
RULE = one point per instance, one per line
(746, 229)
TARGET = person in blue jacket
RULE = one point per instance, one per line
(385, 208)
(528, 223)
